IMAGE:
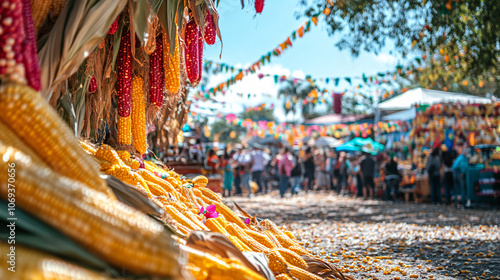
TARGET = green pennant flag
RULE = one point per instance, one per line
(348, 80)
(365, 80)
(418, 60)
(327, 80)
(213, 90)
(294, 35)
(275, 53)
(263, 60)
(276, 79)
(337, 80)
(381, 74)
(268, 57)
(308, 26)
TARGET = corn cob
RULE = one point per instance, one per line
(156, 74)
(217, 268)
(214, 226)
(30, 56)
(272, 238)
(184, 230)
(250, 242)
(124, 71)
(192, 52)
(180, 218)
(201, 44)
(132, 163)
(195, 219)
(197, 272)
(105, 165)
(239, 244)
(114, 27)
(156, 190)
(221, 220)
(11, 41)
(209, 30)
(56, 8)
(91, 150)
(200, 181)
(259, 6)
(8, 137)
(277, 263)
(171, 65)
(284, 240)
(124, 130)
(292, 258)
(290, 235)
(210, 194)
(124, 155)
(229, 214)
(92, 84)
(147, 175)
(301, 274)
(107, 153)
(31, 264)
(40, 10)
(261, 238)
(90, 217)
(139, 116)
(299, 250)
(47, 134)
(283, 276)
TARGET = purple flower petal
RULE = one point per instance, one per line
(247, 221)
(211, 208)
(202, 210)
(212, 215)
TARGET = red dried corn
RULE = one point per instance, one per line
(92, 84)
(156, 74)
(171, 65)
(30, 56)
(192, 52)
(48, 135)
(139, 116)
(210, 32)
(114, 27)
(125, 130)
(201, 44)
(259, 6)
(11, 41)
(124, 71)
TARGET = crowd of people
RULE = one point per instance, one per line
(257, 169)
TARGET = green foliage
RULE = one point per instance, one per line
(294, 94)
(467, 29)
(223, 129)
(264, 114)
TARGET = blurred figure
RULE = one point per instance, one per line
(237, 169)
(367, 167)
(343, 165)
(459, 167)
(212, 161)
(285, 166)
(330, 162)
(245, 162)
(357, 176)
(228, 173)
(392, 178)
(309, 169)
(296, 176)
(259, 161)
(448, 159)
(433, 166)
(321, 175)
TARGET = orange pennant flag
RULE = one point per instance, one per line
(283, 46)
(315, 20)
(301, 31)
(288, 41)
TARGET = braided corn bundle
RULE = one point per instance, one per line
(47, 135)
(192, 52)
(113, 231)
(156, 74)
(124, 71)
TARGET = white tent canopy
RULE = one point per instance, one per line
(428, 97)
(405, 115)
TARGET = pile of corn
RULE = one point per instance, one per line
(182, 200)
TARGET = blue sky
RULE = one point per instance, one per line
(247, 36)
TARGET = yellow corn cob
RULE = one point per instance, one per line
(147, 175)
(130, 177)
(272, 238)
(283, 276)
(111, 230)
(180, 218)
(194, 219)
(301, 274)
(139, 116)
(124, 127)
(40, 10)
(277, 263)
(105, 165)
(124, 155)
(210, 194)
(200, 181)
(155, 189)
(35, 122)
(290, 235)
(240, 245)
(184, 230)
(197, 272)
(132, 163)
(299, 250)
(214, 226)
(171, 65)
(250, 242)
(229, 214)
(203, 198)
(217, 268)
(31, 264)
(90, 149)
(261, 238)
(107, 153)
(292, 258)
(221, 220)
(9, 138)
(284, 240)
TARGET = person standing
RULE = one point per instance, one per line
(296, 176)
(448, 158)
(259, 161)
(367, 167)
(245, 162)
(285, 166)
(321, 175)
(237, 170)
(228, 173)
(330, 162)
(459, 169)
(212, 162)
(433, 166)
(392, 178)
(309, 169)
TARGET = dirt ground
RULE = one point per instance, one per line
(372, 239)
